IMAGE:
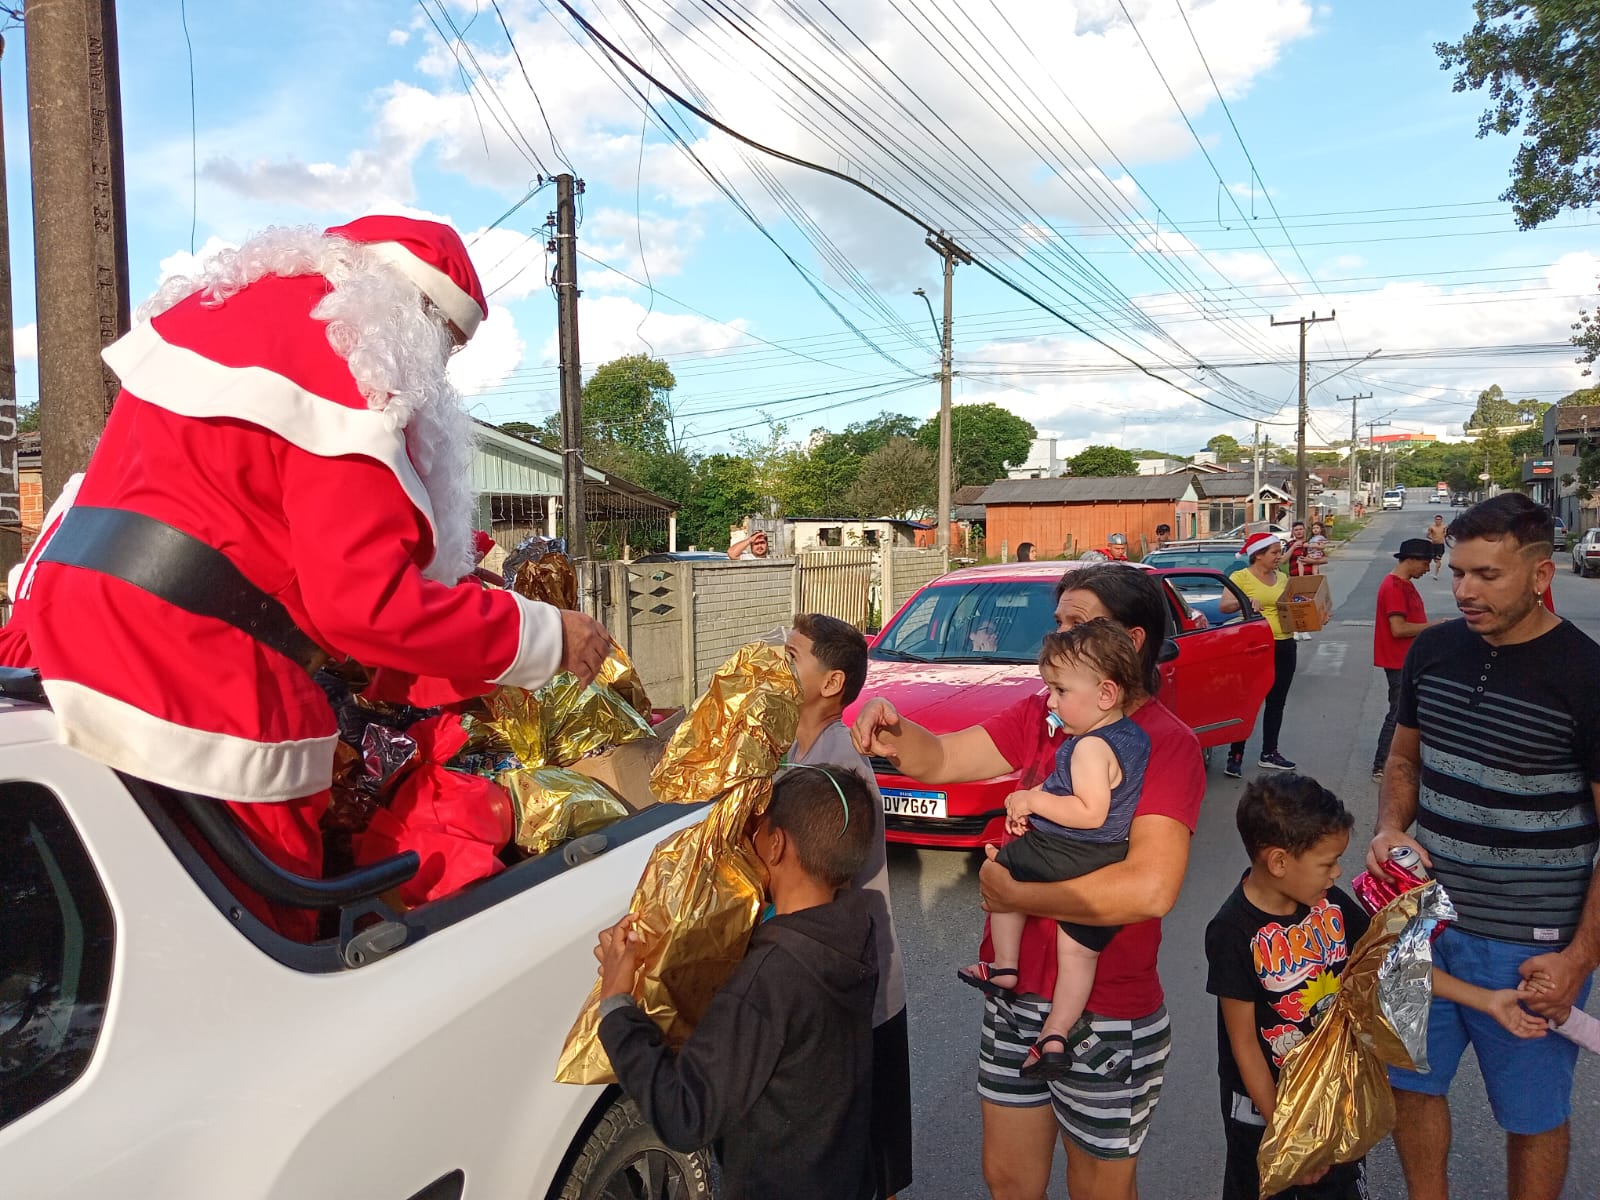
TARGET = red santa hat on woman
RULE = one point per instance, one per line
(432, 256)
(1257, 542)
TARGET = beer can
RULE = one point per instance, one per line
(1408, 860)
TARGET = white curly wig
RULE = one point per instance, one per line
(397, 347)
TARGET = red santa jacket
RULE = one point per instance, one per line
(243, 428)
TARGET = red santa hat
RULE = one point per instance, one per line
(432, 256)
(1256, 543)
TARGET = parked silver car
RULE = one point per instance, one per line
(1560, 541)
(1586, 554)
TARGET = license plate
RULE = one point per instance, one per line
(898, 802)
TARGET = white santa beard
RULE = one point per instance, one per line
(377, 322)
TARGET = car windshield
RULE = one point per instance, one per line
(973, 622)
(1222, 558)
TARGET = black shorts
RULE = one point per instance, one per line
(891, 1105)
(1038, 857)
(1241, 1181)
(1438, 549)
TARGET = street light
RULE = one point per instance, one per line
(936, 334)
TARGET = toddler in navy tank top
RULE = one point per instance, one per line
(1077, 822)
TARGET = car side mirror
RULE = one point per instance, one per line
(1169, 650)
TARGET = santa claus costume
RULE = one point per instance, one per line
(289, 409)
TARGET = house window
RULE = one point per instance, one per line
(872, 538)
(830, 535)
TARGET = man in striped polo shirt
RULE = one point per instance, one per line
(1496, 758)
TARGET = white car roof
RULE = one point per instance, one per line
(22, 723)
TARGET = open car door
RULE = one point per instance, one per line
(1224, 664)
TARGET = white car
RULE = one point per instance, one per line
(1586, 554)
(157, 1040)
(1394, 498)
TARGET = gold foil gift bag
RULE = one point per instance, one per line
(701, 891)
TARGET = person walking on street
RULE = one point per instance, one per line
(1263, 584)
(1435, 533)
(1401, 616)
(1496, 761)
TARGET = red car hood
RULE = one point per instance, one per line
(946, 697)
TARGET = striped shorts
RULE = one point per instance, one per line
(1105, 1104)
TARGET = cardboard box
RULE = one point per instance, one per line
(626, 769)
(1306, 604)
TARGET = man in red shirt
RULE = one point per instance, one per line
(1401, 616)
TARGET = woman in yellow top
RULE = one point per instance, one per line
(1263, 583)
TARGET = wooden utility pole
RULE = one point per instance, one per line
(1372, 444)
(565, 245)
(1355, 463)
(1300, 455)
(1253, 513)
(952, 254)
(80, 247)
(10, 499)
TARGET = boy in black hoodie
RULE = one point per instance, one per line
(778, 1074)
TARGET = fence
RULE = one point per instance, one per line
(680, 621)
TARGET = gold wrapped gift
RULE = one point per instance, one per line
(557, 725)
(553, 804)
(618, 673)
(1334, 1102)
(702, 889)
(550, 579)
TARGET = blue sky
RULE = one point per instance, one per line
(1055, 154)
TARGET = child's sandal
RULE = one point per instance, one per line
(982, 977)
(1047, 1064)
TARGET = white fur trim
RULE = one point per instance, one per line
(191, 385)
(452, 300)
(539, 646)
(129, 739)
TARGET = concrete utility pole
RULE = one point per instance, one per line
(1355, 464)
(565, 245)
(10, 500)
(80, 247)
(952, 254)
(1373, 445)
(1254, 511)
(1300, 458)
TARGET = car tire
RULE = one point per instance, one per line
(624, 1156)
(1577, 567)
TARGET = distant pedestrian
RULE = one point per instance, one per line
(1025, 552)
(1163, 536)
(1263, 584)
(1401, 616)
(1295, 555)
(1435, 535)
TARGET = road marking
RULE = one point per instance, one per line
(1359, 624)
(1328, 660)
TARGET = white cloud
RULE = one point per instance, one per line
(25, 341)
(488, 359)
(612, 326)
(182, 262)
(399, 37)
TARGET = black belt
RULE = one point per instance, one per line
(182, 570)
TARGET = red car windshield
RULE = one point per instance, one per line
(1000, 622)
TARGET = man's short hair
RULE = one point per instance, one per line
(1510, 514)
(1102, 646)
(1291, 812)
(1160, 529)
(838, 646)
(826, 812)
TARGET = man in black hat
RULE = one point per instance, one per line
(1401, 616)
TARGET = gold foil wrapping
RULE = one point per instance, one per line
(702, 889)
(553, 804)
(550, 578)
(618, 673)
(1334, 1102)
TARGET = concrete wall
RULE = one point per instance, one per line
(735, 603)
(904, 571)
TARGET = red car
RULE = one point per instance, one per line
(966, 646)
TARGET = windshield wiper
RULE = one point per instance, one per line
(897, 655)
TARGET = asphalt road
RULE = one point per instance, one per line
(1334, 712)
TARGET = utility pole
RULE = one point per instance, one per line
(1254, 511)
(1355, 464)
(10, 500)
(1372, 444)
(80, 247)
(565, 245)
(1300, 458)
(952, 254)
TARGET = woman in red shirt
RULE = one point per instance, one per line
(1120, 1048)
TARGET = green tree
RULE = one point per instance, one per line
(1537, 61)
(1226, 447)
(1527, 443)
(1493, 410)
(814, 484)
(985, 439)
(523, 429)
(724, 494)
(1425, 464)
(627, 416)
(898, 479)
(1580, 398)
(1103, 460)
(28, 418)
